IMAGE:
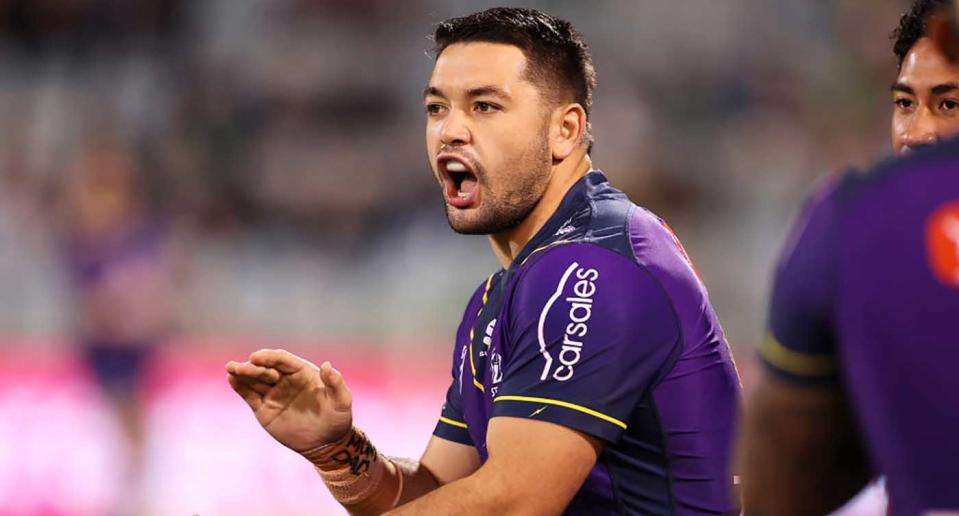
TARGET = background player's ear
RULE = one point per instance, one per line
(566, 131)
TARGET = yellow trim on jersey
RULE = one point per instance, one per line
(803, 364)
(559, 403)
(489, 281)
(476, 382)
(453, 422)
(547, 246)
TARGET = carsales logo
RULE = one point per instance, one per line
(942, 243)
(580, 311)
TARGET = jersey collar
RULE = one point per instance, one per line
(568, 218)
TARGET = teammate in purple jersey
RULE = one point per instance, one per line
(861, 351)
(590, 374)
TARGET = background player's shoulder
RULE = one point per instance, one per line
(854, 182)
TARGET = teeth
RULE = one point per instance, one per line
(455, 166)
(462, 195)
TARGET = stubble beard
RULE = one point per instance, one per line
(507, 200)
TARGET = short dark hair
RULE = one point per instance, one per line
(558, 59)
(913, 24)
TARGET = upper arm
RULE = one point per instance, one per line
(448, 460)
(800, 345)
(535, 467)
(450, 454)
(452, 422)
(800, 449)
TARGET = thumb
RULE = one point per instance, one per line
(336, 387)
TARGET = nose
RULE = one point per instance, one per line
(921, 131)
(454, 129)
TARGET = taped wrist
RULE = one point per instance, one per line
(356, 474)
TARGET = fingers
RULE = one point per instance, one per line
(246, 391)
(257, 386)
(336, 387)
(254, 372)
(251, 382)
(279, 359)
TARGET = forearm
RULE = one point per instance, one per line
(366, 482)
(470, 495)
(799, 451)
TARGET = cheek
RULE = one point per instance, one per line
(900, 122)
(500, 153)
(432, 138)
(514, 140)
(950, 127)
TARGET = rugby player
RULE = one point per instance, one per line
(590, 374)
(862, 344)
(925, 94)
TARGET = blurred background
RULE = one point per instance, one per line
(183, 182)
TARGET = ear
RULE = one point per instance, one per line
(567, 126)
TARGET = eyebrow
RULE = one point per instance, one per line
(481, 91)
(938, 89)
(432, 91)
(903, 88)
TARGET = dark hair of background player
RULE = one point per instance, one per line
(558, 58)
(913, 24)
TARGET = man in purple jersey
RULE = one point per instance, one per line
(590, 374)
(862, 345)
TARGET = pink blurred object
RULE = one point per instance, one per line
(205, 452)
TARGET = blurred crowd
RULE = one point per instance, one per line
(257, 167)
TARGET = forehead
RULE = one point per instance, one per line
(462, 66)
(927, 65)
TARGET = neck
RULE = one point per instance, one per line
(507, 244)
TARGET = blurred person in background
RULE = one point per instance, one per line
(860, 354)
(926, 91)
(590, 373)
(120, 263)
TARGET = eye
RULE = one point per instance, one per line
(949, 105)
(902, 103)
(485, 107)
(434, 108)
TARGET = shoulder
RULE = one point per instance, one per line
(927, 158)
(819, 215)
(849, 186)
(481, 290)
(800, 342)
(584, 276)
(476, 301)
(565, 259)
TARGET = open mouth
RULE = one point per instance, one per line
(461, 182)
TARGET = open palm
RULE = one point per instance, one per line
(301, 405)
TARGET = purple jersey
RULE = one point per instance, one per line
(600, 324)
(867, 295)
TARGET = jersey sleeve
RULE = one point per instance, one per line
(452, 423)
(800, 339)
(591, 332)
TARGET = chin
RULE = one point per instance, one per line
(465, 224)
